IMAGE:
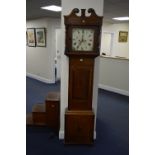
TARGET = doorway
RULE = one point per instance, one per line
(58, 55)
(107, 43)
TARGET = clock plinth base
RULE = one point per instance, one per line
(79, 127)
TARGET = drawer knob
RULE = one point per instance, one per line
(52, 106)
(81, 60)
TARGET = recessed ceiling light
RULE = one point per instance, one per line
(52, 8)
(121, 18)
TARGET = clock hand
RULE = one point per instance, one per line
(82, 35)
(80, 42)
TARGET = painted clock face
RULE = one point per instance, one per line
(82, 39)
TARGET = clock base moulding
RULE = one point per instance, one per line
(79, 127)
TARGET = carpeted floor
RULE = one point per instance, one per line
(36, 92)
(112, 125)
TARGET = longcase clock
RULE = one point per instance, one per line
(82, 45)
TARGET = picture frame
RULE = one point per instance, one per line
(40, 37)
(26, 39)
(31, 40)
(123, 36)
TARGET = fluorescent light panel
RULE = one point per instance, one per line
(121, 18)
(52, 8)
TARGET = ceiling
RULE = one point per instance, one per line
(112, 8)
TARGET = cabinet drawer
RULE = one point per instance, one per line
(53, 115)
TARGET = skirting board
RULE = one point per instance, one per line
(39, 78)
(61, 135)
(115, 90)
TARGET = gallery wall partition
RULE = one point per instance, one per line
(40, 49)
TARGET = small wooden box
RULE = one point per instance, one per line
(79, 127)
(53, 110)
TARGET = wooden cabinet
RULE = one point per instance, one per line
(79, 127)
(53, 111)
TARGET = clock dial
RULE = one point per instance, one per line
(82, 39)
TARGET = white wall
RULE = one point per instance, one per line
(114, 75)
(118, 48)
(67, 7)
(40, 60)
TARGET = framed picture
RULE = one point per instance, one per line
(26, 39)
(123, 36)
(31, 40)
(41, 37)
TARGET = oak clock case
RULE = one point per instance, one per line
(82, 45)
